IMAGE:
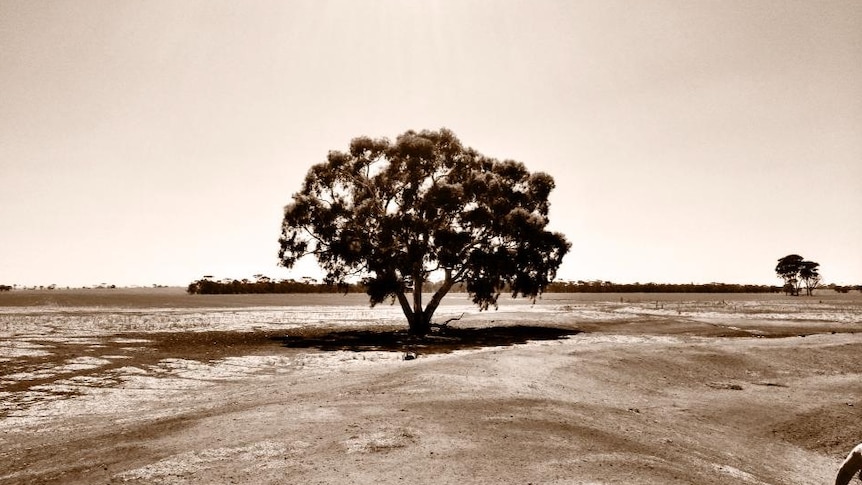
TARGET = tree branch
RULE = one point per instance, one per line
(316, 238)
(438, 295)
(447, 322)
(405, 305)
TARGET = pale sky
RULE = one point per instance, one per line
(691, 141)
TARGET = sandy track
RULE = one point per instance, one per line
(627, 405)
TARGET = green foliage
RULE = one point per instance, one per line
(392, 214)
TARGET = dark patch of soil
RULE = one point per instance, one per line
(829, 429)
(444, 341)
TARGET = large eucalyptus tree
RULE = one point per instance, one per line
(394, 215)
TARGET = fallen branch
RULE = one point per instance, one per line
(447, 322)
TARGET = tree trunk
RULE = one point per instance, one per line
(438, 296)
(419, 319)
(408, 311)
(419, 324)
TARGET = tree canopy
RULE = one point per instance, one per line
(796, 271)
(394, 214)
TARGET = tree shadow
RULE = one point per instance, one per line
(443, 341)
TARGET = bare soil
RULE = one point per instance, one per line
(664, 402)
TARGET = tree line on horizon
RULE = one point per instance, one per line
(609, 287)
(208, 286)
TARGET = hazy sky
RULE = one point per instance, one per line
(691, 141)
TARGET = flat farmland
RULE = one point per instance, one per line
(157, 386)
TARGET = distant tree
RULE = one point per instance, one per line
(788, 269)
(393, 214)
(839, 288)
(808, 273)
(796, 271)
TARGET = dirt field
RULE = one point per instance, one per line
(665, 397)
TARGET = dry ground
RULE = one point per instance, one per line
(664, 402)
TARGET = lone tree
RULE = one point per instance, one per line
(394, 214)
(795, 271)
(788, 270)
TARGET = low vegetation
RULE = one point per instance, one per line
(237, 287)
(608, 287)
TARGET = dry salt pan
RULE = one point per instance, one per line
(84, 363)
(803, 310)
(623, 339)
(12, 349)
(121, 340)
(160, 388)
(90, 386)
(48, 371)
